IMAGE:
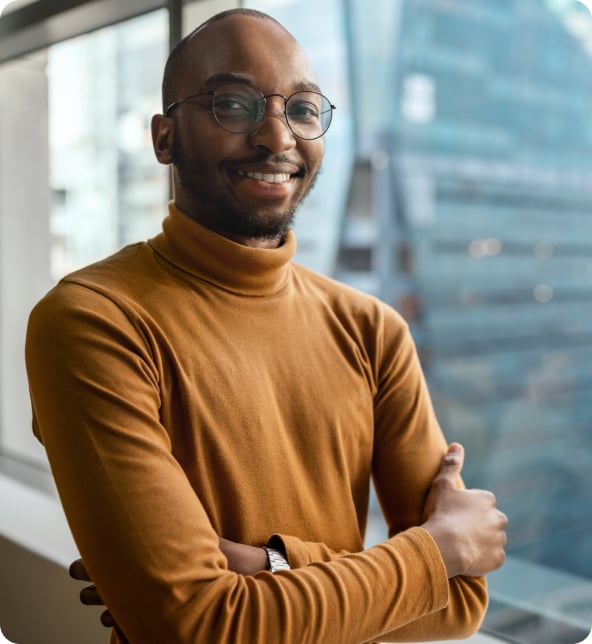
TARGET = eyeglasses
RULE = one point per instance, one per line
(240, 109)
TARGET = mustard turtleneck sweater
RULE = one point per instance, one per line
(190, 387)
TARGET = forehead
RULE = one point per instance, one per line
(259, 49)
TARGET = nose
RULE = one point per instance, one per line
(272, 132)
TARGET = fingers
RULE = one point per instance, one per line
(502, 540)
(89, 596)
(502, 525)
(78, 571)
(107, 620)
(493, 522)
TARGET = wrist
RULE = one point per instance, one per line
(242, 558)
(446, 544)
(276, 560)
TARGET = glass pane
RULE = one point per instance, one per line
(324, 40)
(198, 11)
(478, 114)
(107, 187)
(78, 178)
(468, 209)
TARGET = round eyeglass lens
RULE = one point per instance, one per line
(239, 108)
(308, 114)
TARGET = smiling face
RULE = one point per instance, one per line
(244, 186)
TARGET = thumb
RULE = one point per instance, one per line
(453, 462)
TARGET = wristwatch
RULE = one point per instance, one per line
(277, 560)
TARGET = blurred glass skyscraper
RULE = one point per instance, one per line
(457, 187)
(469, 209)
(486, 172)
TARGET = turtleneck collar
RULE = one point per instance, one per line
(218, 260)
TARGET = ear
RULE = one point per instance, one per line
(163, 130)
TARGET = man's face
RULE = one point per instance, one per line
(245, 186)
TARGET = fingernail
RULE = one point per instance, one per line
(453, 455)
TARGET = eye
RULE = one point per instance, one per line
(303, 110)
(233, 104)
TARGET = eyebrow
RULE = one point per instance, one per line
(221, 78)
(227, 77)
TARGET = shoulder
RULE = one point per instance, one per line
(104, 285)
(347, 300)
(371, 323)
(127, 266)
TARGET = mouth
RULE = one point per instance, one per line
(266, 177)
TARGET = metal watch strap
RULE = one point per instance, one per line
(277, 561)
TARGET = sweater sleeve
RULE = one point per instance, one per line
(460, 618)
(408, 449)
(143, 532)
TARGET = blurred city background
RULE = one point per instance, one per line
(457, 187)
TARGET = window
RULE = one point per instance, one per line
(78, 177)
(107, 189)
(323, 38)
(457, 186)
(468, 210)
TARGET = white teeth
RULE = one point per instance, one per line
(268, 178)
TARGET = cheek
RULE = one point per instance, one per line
(210, 153)
(198, 142)
(313, 154)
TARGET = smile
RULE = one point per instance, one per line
(268, 178)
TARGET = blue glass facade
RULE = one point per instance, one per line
(457, 187)
(502, 260)
(469, 209)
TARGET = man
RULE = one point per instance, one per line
(200, 397)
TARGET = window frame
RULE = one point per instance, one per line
(42, 24)
(34, 27)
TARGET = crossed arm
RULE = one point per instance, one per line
(152, 549)
(465, 524)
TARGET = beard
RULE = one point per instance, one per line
(252, 225)
(229, 217)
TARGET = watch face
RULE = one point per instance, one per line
(276, 560)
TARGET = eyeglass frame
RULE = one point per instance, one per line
(263, 97)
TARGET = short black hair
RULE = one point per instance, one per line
(175, 60)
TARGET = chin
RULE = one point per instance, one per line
(256, 226)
